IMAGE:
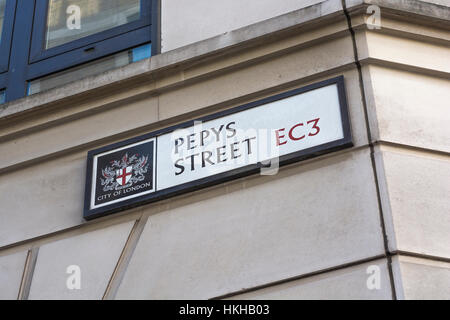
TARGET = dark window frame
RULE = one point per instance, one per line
(29, 61)
(6, 36)
(38, 52)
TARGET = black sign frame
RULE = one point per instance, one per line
(345, 142)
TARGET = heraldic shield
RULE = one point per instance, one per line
(124, 173)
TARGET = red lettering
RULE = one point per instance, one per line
(291, 136)
(279, 143)
(315, 126)
(315, 130)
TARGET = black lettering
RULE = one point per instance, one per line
(193, 161)
(179, 142)
(206, 158)
(234, 150)
(203, 136)
(220, 154)
(231, 130)
(191, 141)
(179, 166)
(249, 147)
(217, 133)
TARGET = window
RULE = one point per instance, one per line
(88, 69)
(2, 15)
(53, 42)
(6, 22)
(97, 16)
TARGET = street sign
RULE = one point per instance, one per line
(256, 137)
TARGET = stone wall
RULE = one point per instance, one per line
(314, 230)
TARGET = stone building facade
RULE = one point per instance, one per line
(367, 222)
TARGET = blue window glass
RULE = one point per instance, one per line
(6, 25)
(43, 40)
(70, 20)
(88, 69)
(140, 53)
(2, 16)
(88, 27)
(2, 97)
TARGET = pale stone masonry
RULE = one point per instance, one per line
(383, 204)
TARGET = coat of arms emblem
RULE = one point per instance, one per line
(125, 172)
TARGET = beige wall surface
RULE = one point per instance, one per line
(244, 235)
(311, 231)
(411, 108)
(418, 186)
(343, 284)
(95, 253)
(11, 270)
(421, 279)
(440, 2)
(184, 22)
